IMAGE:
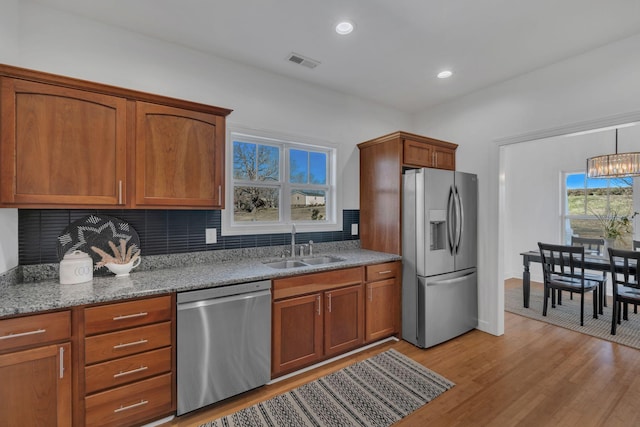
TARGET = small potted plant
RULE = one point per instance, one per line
(615, 226)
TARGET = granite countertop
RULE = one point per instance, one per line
(32, 297)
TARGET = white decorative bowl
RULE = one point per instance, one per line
(122, 270)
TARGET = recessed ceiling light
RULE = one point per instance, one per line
(445, 74)
(343, 28)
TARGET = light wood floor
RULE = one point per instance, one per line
(536, 374)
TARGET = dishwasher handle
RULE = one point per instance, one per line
(216, 301)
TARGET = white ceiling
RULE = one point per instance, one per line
(398, 46)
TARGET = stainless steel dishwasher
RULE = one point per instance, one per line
(224, 342)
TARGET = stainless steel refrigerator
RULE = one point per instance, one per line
(439, 248)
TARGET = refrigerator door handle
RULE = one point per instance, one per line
(459, 220)
(450, 213)
(450, 281)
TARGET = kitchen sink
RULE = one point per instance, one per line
(321, 260)
(303, 262)
(285, 264)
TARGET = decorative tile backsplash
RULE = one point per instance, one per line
(161, 232)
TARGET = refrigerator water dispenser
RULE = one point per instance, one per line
(438, 230)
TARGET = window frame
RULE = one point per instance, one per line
(564, 214)
(284, 225)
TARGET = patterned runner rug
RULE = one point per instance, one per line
(374, 392)
(567, 315)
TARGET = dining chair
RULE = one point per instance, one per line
(595, 245)
(563, 270)
(624, 277)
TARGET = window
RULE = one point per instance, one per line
(587, 198)
(275, 182)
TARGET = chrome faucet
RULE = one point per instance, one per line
(310, 247)
(293, 241)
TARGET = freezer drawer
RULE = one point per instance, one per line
(449, 306)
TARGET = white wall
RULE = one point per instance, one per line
(69, 45)
(600, 83)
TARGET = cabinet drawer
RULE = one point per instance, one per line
(127, 369)
(34, 330)
(316, 282)
(112, 317)
(124, 343)
(383, 271)
(130, 404)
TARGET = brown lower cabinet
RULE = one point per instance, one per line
(316, 316)
(35, 375)
(127, 362)
(382, 296)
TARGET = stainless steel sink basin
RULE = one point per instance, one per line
(303, 262)
(285, 264)
(321, 260)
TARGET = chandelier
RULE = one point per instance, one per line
(614, 165)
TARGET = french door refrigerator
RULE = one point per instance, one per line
(439, 245)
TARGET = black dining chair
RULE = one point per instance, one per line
(624, 277)
(563, 270)
(595, 245)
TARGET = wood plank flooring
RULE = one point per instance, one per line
(536, 374)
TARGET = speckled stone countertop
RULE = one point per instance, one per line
(34, 296)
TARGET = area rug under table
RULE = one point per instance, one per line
(374, 392)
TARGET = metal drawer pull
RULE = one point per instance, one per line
(23, 334)
(319, 308)
(131, 316)
(384, 272)
(135, 405)
(329, 295)
(370, 293)
(129, 344)
(133, 371)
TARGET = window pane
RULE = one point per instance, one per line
(308, 205)
(256, 204)
(318, 168)
(584, 228)
(621, 196)
(299, 166)
(268, 163)
(244, 160)
(575, 194)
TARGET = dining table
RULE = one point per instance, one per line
(592, 261)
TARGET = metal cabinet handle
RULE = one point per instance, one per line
(133, 371)
(120, 192)
(131, 316)
(61, 362)
(384, 272)
(370, 293)
(23, 334)
(129, 344)
(329, 307)
(319, 302)
(220, 194)
(135, 405)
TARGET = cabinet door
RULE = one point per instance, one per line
(418, 154)
(297, 333)
(179, 157)
(381, 309)
(344, 320)
(61, 146)
(444, 159)
(35, 389)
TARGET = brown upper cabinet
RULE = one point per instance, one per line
(179, 157)
(71, 143)
(382, 161)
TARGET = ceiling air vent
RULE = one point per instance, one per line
(303, 60)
